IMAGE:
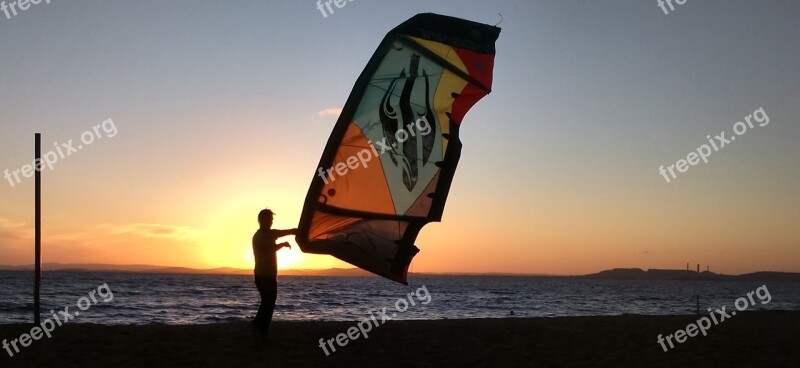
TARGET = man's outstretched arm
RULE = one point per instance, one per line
(282, 233)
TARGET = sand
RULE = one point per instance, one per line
(757, 339)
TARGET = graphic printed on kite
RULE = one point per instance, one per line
(392, 117)
(387, 144)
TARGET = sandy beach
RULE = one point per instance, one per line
(757, 339)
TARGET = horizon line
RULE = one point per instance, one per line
(132, 268)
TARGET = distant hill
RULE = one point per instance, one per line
(92, 267)
(657, 274)
(327, 272)
(181, 270)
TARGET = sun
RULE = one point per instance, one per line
(287, 258)
(248, 258)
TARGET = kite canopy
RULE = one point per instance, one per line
(389, 162)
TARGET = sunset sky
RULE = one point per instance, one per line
(221, 109)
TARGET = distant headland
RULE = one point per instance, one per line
(656, 274)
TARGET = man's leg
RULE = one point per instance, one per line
(268, 303)
(261, 286)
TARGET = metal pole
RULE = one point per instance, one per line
(698, 304)
(37, 229)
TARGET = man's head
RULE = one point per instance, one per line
(265, 218)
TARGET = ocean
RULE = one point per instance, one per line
(199, 299)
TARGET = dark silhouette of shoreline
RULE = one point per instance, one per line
(658, 274)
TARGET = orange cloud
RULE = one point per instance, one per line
(160, 231)
(16, 241)
(105, 243)
(12, 230)
(334, 111)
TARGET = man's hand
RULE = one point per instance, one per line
(285, 244)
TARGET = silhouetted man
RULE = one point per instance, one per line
(266, 271)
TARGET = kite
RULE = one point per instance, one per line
(388, 165)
